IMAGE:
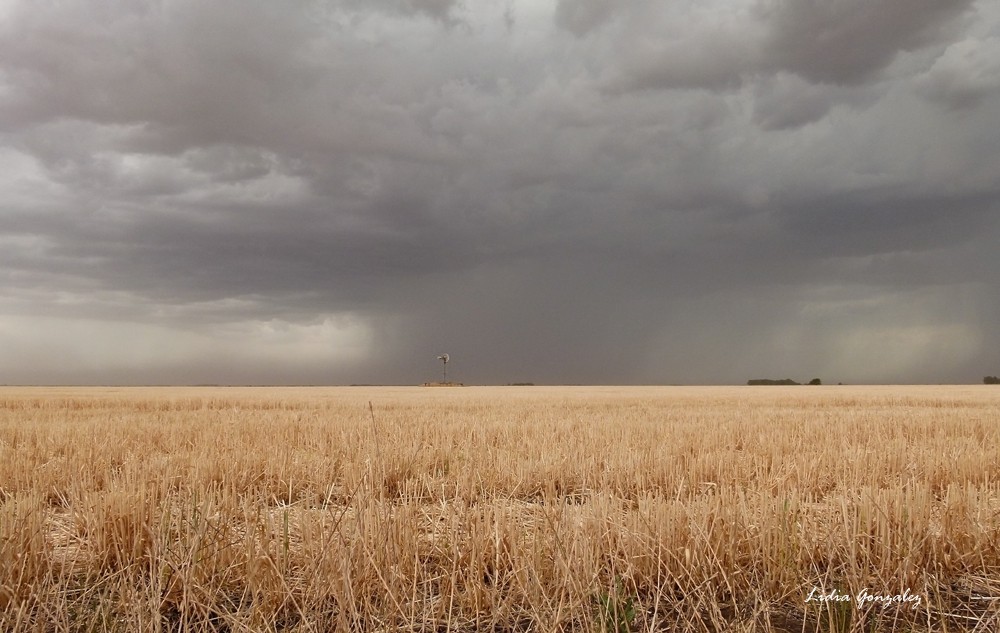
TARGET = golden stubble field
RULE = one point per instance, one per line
(500, 509)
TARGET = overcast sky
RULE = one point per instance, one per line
(570, 191)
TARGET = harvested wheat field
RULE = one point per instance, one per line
(500, 509)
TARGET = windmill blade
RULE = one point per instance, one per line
(443, 358)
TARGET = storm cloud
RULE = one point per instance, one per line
(556, 192)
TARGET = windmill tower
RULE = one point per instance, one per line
(444, 367)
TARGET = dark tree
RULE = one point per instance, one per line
(815, 381)
(991, 380)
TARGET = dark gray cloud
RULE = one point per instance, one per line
(965, 75)
(715, 45)
(440, 10)
(583, 16)
(551, 192)
(786, 101)
(849, 41)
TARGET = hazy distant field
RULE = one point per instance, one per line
(496, 509)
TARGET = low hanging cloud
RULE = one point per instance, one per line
(551, 192)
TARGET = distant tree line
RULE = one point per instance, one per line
(757, 382)
(991, 380)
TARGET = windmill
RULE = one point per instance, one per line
(444, 367)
